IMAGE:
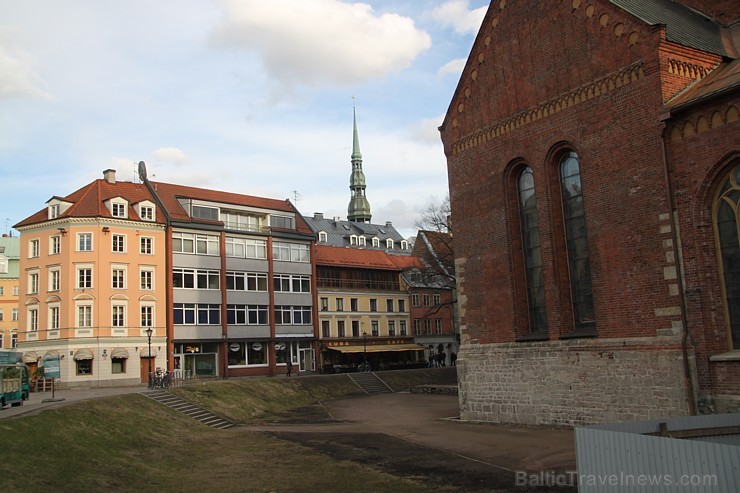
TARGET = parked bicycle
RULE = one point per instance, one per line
(160, 379)
(364, 366)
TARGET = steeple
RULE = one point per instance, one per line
(359, 208)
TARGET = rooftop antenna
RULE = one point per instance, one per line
(7, 231)
(296, 197)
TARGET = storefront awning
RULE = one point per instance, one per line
(119, 353)
(144, 353)
(376, 348)
(52, 354)
(30, 357)
(83, 354)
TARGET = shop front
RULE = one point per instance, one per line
(348, 355)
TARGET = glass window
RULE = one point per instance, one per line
(84, 278)
(33, 319)
(146, 281)
(389, 305)
(119, 243)
(402, 325)
(146, 213)
(340, 328)
(147, 316)
(118, 316)
(532, 256)
(373, 305)
(84, 316)
(54, 280)
(146, 245)
(84, 242)
(118, 278)
(33, 283)
(55, 245)
(209, 213)
(325, 328)
(576, 240)
(374, 327)
(727, 231)
(33, 248)
(353, 304)
(118, 209)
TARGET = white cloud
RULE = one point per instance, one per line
(427, 130)
(17, 74)
(171, 155)
(453, 67)
(315, 42)
(456, 13)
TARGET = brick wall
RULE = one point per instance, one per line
(572, 383)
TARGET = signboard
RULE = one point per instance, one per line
(10, 357)
(51, 368)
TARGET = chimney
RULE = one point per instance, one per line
(388, 224)
(318, 215)
(110, 176)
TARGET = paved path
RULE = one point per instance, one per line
(431, 420)
(43, 400)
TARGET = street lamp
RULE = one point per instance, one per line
(364, 349)
(149, 332)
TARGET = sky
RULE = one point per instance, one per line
(247, 96)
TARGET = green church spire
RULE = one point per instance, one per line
(359, 208)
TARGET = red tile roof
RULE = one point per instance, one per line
(89, 201)
(359, 257)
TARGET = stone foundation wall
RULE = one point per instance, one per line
(575, 382)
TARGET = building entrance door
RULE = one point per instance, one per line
(305, 360)
(144, 369)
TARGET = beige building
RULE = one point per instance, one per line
(92, 282)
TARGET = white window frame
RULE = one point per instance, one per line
(84, 315)
(122, 278)
(119, 209)
(54, 211)
(55, 279)
(146, 278)
(55, 245)
(146, 245)
(32, 323)
(323, 236)
(404, 245)
(147, 314)
(54, 317)
(78, 271)
(376, 242)
(33, 281)
(118, 243)
(146, 213)
(34, 248)
(84, 242)
(390, 244)
(118, 314)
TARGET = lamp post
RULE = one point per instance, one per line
(364, 349)
(149, 332)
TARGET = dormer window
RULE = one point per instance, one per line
(361, 241)
(353, 240)
(323, 236)
(147, 213)
(404, 245)
(389, 244)
(54, 211)
(118, 209)
(376, 242)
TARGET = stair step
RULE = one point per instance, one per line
(189, 409)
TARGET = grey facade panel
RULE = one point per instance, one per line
(183, 260)
(248, 332)
(247, 265)
(301, 299)
(280, 267)
(247, 298)
(197, 332)
(286, 331)
(197, 296)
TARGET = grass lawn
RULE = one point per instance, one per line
(129, 443)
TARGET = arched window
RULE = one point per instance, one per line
(577, 242)
(532, 252)
(726, 212)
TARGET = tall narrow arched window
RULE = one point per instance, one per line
(727, 228)
(532, 252)
(577, 242)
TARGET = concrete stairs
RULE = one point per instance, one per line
(189, 409)
(370, 383)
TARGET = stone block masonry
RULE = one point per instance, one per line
(575, 382)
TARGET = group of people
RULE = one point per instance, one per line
(440, 359)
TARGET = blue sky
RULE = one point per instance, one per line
(246, 96)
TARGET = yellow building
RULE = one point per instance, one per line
(9, 268)
(92, 282)
(364, 310)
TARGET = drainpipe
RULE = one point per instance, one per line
(688, 381)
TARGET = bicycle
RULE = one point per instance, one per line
(364, 366)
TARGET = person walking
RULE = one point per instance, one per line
(288, 366)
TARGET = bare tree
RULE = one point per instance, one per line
(436, 217)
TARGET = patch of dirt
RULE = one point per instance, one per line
(314, 414)
(439, 470)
